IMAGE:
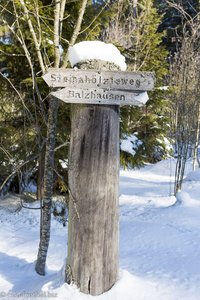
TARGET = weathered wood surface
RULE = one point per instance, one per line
(98, 96)
(113, 80)
(93, 209)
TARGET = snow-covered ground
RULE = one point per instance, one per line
(159, 244)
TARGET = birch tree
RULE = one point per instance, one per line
(25, 18)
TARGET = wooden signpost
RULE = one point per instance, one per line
(93, 233)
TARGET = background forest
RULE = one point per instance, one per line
(157, 36)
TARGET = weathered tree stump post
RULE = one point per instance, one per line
(92, 262)
(97, 91)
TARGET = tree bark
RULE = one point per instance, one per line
(40, 185)
(196, 144)
(40, 176)
(93, 208)
(46, 202)
(48, 188)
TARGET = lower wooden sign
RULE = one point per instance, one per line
(101, 96)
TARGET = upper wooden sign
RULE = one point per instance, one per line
(111, 80)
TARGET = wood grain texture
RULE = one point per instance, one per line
(112, 80)
(93, 209)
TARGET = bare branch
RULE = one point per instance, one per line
(38, 22)
(76, 30)
(62, 11)
(5, 9)
(42, 18)
(62, 145)
(28, 56)
(179, 8)
(14, 88)
(10, 54)
(58, 19)
(79, 23)
(57, 33)
(36, 42)
(95, 18)
(16, 170)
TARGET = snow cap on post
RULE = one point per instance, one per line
(88, 50)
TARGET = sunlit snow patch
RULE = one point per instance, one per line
(193, 176)
(142, 97)
(96, 50)
(130, 143)
(185, 199)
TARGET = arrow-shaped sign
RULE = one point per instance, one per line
(100, 96)
(111, 80)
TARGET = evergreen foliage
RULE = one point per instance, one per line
(142, 30)
(144, 52)
(173, 21)
(24, 123)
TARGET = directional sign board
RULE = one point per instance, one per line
(100, 96)
(111, 80)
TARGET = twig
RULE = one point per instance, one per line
(76, 30)
(10, 82)
(96, 17)
(11, 54)
(62, 145)
(17, 169)
(36, 42)
(74, 203)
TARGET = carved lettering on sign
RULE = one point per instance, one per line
(97, 80)
(112, 80)
(99, 96)
(92, 95)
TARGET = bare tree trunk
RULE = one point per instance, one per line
(195, 156)
(40, 185)
(184, 72)
(46, 202)
(93, 209)
(34, 36)
(40, 176)
(48, 188)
